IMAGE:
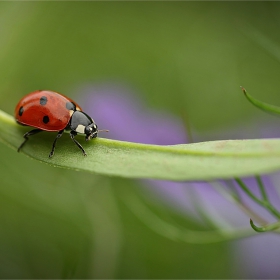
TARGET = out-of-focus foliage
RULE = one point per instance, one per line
(190, 57)
(184, 57)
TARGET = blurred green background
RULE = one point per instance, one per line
(182, 57)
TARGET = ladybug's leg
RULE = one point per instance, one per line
(26, 135)
(59, 134)
(72, 135)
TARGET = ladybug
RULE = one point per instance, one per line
(51, 111)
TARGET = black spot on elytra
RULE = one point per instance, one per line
(20, 111)
(46, 119)
(43, 100)
(70, 106)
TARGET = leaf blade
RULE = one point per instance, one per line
(198, 161)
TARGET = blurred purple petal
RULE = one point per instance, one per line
(114, 108)
(257, 257)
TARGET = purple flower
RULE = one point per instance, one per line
(116, 108)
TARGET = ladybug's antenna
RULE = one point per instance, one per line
(94, 134)
(103, 130)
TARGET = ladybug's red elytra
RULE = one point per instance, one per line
(51, 111)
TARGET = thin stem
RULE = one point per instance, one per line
(233, 197)
(262, 188)
(261, 105)
(177, 233)
(270, 227)
(264, 203)
(247, 191)
(205, 215)
(233, 191)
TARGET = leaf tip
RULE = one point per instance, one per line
(257, 229)
(243, 89)
(254, 227)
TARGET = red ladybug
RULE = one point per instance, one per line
(51, 111)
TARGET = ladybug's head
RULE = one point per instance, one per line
(91, 131)
(82, 123)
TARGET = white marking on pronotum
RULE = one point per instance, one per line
(71, 112)
(80, 129)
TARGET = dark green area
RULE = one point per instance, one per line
(56, 223)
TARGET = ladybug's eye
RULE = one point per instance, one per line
(88, 130)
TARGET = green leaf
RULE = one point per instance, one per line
(199, 161)
(261, 105)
